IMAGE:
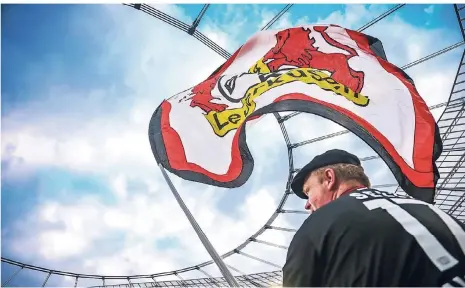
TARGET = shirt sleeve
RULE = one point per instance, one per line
(301, 269)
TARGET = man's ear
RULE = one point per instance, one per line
(330, 178)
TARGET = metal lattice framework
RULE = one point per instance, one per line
(450, 189)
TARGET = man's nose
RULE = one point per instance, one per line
(307, 205)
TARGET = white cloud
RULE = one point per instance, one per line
(429, 9)
(68, 235)
(84, 133)
(266, 16)
(353, 16)
(226, 29)
(285, 21)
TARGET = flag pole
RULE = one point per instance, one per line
(206, 243)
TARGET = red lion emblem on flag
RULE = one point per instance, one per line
(294, 47)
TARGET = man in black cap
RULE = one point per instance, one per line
(358, 236)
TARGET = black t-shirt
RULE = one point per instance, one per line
(374, 238)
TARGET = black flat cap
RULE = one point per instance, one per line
(330, 157)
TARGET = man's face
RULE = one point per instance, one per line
(318, 189)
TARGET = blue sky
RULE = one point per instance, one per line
(80, 188)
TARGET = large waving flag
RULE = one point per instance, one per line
(336, 73)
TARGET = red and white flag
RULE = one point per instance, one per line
(336, 73)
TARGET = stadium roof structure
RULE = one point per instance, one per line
(450, 195)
